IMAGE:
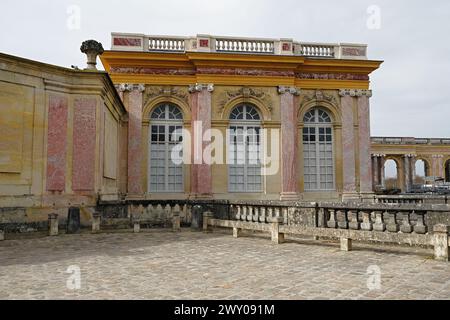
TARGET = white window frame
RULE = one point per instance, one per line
(317, 126)
(166, 123)
(245, 124)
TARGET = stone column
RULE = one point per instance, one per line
(440, 170)
(382, 173)
(289, 143)
(201, 175)
(407, 172)
(376, 170)
(365, 164)
(134, 139)
(348, 146)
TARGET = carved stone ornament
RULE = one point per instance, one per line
(355, 93)
(131, 87)
(291, 90)
(245, 92)
(165, 91)
(199, 87)
(319, 96)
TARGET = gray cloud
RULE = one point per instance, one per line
(410, 90)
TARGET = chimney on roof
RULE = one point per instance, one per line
(92, 49)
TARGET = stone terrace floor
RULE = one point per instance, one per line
(160, 264)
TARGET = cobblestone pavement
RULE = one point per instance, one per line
(159, 264)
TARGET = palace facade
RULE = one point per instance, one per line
(253, 119)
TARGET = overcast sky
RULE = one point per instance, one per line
(411, 90)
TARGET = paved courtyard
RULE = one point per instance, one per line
(159, 264)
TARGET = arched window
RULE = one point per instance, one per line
(244, 171)
(166, 173)
(318, 151)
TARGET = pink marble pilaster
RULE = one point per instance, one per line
(365, 163)
(134, 139)
(348, 145)
(84, 141)
(201, 175)
(289, 189)
(57, 143)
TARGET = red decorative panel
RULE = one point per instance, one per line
(204, 43)
(57, 143)
(286, 47)
(84, 137)
(127, 42)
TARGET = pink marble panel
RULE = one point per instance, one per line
(134, 142)
(365, 162)
(84, 140)
(57, 143)
(288, 144)
(128, 42)
(201, 182)
(348, 145)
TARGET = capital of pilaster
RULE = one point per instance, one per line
(198, 87)
(437, 156)
(130, 87)
(292, 90)
(410, 155)
(355, 93)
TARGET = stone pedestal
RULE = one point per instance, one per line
(440, 242)
(277, 237)
(197, 218)
(236, 232)
(346, 244)
(73, 220)
(2, 235)
(206, 216)
(96, 221)
(53, 224)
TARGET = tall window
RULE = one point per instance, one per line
(166, 172)
(318, 151)
(245, 142)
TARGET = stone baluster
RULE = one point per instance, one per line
(392, 225)
(406, 226)
(262, 216)
(269, 213)
(379, 224)
(366, 225)
(2, 235)
(255, 214)
(332, 222)
(354, 222)
(96, 221)
(342, 218)
(250, 213)
(277, 212)
(244, 213)
(238, 212)
(420, 227)
(176, 220)
(285, 215)
(53, 224)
